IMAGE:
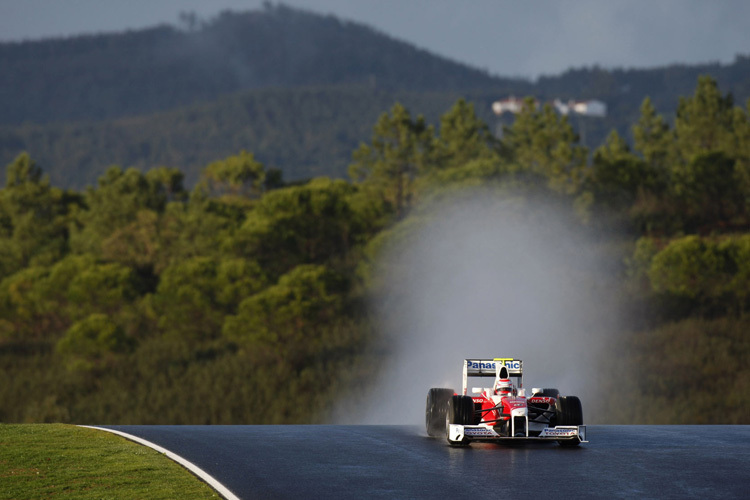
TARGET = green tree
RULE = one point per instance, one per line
(309, 224)
(167, 182)
(92, 342)
(639, 265)
(740, 150)
(141, 243)
(652, 137)
(397, 155)
(707, 191)
(40, 303)
(285, 319)
(194, 295)
(34, 218)
(740, 282)
(25, 314)
(236, 177)
(137, 244)
(543, 143)
(688, 267)
(463, 137)
(703, 177)
(201, 227)
(704, 121)
(618, 176)
(113, 205)
(90, 286)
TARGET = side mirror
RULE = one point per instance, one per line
(536, 390)
(476, 390)
(522, 393)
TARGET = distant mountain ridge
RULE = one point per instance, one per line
(106, 76)
(300, 90)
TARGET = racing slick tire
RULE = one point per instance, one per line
(568, 411)
(436, 408)
(460, 411)
(549, 393)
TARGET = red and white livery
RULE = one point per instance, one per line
(503, 412)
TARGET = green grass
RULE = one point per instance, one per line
(67, 462)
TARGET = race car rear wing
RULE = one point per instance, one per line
(489, 368)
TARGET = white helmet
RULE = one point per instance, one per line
(504, 387)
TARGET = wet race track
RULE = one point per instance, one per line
(402, 462)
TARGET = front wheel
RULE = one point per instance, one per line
(461, 412)
(568, 411)
(435, 409)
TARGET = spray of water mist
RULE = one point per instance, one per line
(484, 278)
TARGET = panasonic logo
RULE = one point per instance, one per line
(478, 365)
(482, 366)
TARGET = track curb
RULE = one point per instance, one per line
(203, 475)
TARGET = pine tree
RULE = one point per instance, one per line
(400, 149)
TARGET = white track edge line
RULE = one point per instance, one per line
(205, 476)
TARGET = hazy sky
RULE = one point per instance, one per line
(506, 37)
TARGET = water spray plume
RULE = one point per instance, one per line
(488, 277)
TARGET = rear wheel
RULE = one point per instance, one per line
(436, 407)
(568, 411)
(549, 393)
(461, 412)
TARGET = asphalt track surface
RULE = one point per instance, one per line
(402, 462)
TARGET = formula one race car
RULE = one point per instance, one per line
(503, 413)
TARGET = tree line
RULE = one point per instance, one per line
(140, 301)
(297, 88)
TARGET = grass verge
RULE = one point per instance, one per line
(67, 462)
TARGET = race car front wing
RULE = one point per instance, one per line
(482, 433)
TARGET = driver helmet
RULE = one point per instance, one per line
(503, 387)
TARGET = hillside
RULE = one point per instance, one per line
(304, 132)
(298, 89)
(140, 72)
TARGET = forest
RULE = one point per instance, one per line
(298, 89)
(139, 301)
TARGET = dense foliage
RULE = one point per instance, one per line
(137, 301)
